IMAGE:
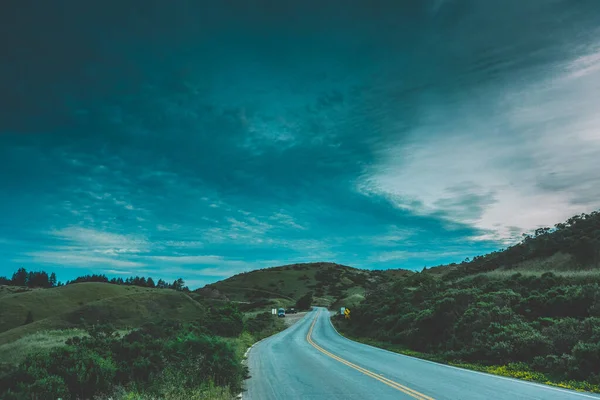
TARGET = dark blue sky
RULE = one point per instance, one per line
(204, 139)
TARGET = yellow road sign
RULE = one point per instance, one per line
(347, 313)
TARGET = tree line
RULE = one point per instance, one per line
(31, 279)
(41, 279)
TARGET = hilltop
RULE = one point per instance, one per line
(330, 284)
(568, 249)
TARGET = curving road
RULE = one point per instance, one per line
(310, 360)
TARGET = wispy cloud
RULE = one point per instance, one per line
(286, 221)
(196, 260)
(524, 157)
(96, 239)
(77, 259)
(118, 272)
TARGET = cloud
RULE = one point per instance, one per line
(77, 260)
(286, 220)
(118, 272)
(352, 143)
(421, 256)
(102, 242)
(525, 156)
(196, 260)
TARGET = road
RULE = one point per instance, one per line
(310, 360)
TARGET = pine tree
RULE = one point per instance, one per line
(19, 278)
(52, 280)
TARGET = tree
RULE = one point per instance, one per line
(19, 278)
(304, 302)
(178, 284)
(52, 280)
(150, 283)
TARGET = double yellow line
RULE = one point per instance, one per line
(389, 382)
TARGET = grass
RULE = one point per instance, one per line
(72, 307)
(517, 371)
(44, 303)
(172, 389)
(16, 351)
(580, 276)
(8, 290)
(39, 342)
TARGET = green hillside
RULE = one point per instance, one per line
(74, 305)
(132, 342)
(6, 290)
(531, 311)
(567, 248)
(330, 283)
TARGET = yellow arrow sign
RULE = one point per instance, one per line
(347, 313)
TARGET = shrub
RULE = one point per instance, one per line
(305, 301)
(143, 359)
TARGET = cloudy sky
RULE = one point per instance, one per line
(201, 140)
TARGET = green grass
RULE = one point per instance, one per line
(39, 342)
(75, 305)
(349, 301)
(580, 276)
(561, 264)
(43, 341)
(44, 303)
(171, 389)
(8, 290)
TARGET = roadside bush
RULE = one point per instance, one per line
(543, 322)
(225, 321)
(263, 325)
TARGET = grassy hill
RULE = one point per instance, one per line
(8, 290)
(571, 248)
(330, 283)
(74, 305)
(132, 342)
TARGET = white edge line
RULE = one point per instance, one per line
(474, 372)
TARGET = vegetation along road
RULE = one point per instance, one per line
(311, 360)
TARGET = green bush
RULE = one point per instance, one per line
(305, 302)
(95, 365)
(546, 323)
(225, 321)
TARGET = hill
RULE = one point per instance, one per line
(567, 248)
(74, 305)
(531, 311)
(330, 283)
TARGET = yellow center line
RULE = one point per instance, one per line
(381, 378)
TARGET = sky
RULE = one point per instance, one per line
(202, 139)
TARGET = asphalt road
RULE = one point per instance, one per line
(310, 360)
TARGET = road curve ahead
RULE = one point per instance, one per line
(310, 360)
